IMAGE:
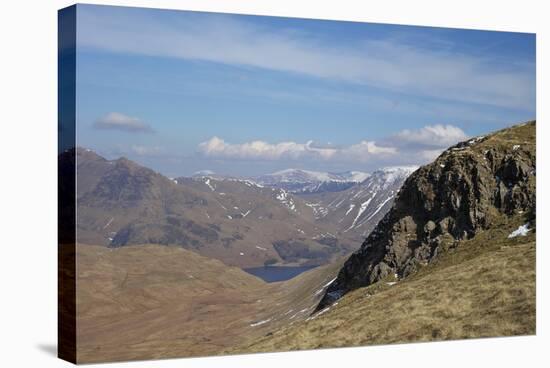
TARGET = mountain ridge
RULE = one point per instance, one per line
(123, 203)
(308, 181)
(237, 221)
(467, 188)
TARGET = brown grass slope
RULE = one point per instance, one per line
(153, 301)
(143, 302)
(483, 288)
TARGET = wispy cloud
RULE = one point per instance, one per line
(121, 122)
(384, 63)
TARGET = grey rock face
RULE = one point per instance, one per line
(449, 200)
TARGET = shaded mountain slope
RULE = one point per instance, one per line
(469, 188)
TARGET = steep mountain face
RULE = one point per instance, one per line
(121, 203)
(306, 181)
(469, 188)
(357, 210)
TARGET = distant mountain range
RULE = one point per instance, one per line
(243, 222)
(349, 203)
(305, 181)
(299, 181)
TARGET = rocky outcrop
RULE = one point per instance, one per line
(465, 190)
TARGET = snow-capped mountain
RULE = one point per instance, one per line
(359, 208)
(307, 181)
(297, 176)
(348, 204)
(354, 176)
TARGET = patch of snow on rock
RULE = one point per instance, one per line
(520, 231)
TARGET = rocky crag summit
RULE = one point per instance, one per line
(471, 187)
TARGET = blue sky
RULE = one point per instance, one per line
(245, 95)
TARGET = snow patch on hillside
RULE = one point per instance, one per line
(207, 182)
(286, 199)
(520, 231)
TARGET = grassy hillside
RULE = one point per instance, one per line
(484, 287)
(153, 301)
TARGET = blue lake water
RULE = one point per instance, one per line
(277, 273)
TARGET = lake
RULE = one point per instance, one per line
(277, 273)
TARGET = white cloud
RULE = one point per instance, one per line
(121, 122)
(408, 146)
(260, 150)
(368, 148)
(430, 136)
(387, 64)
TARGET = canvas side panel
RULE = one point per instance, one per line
(66, 184)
